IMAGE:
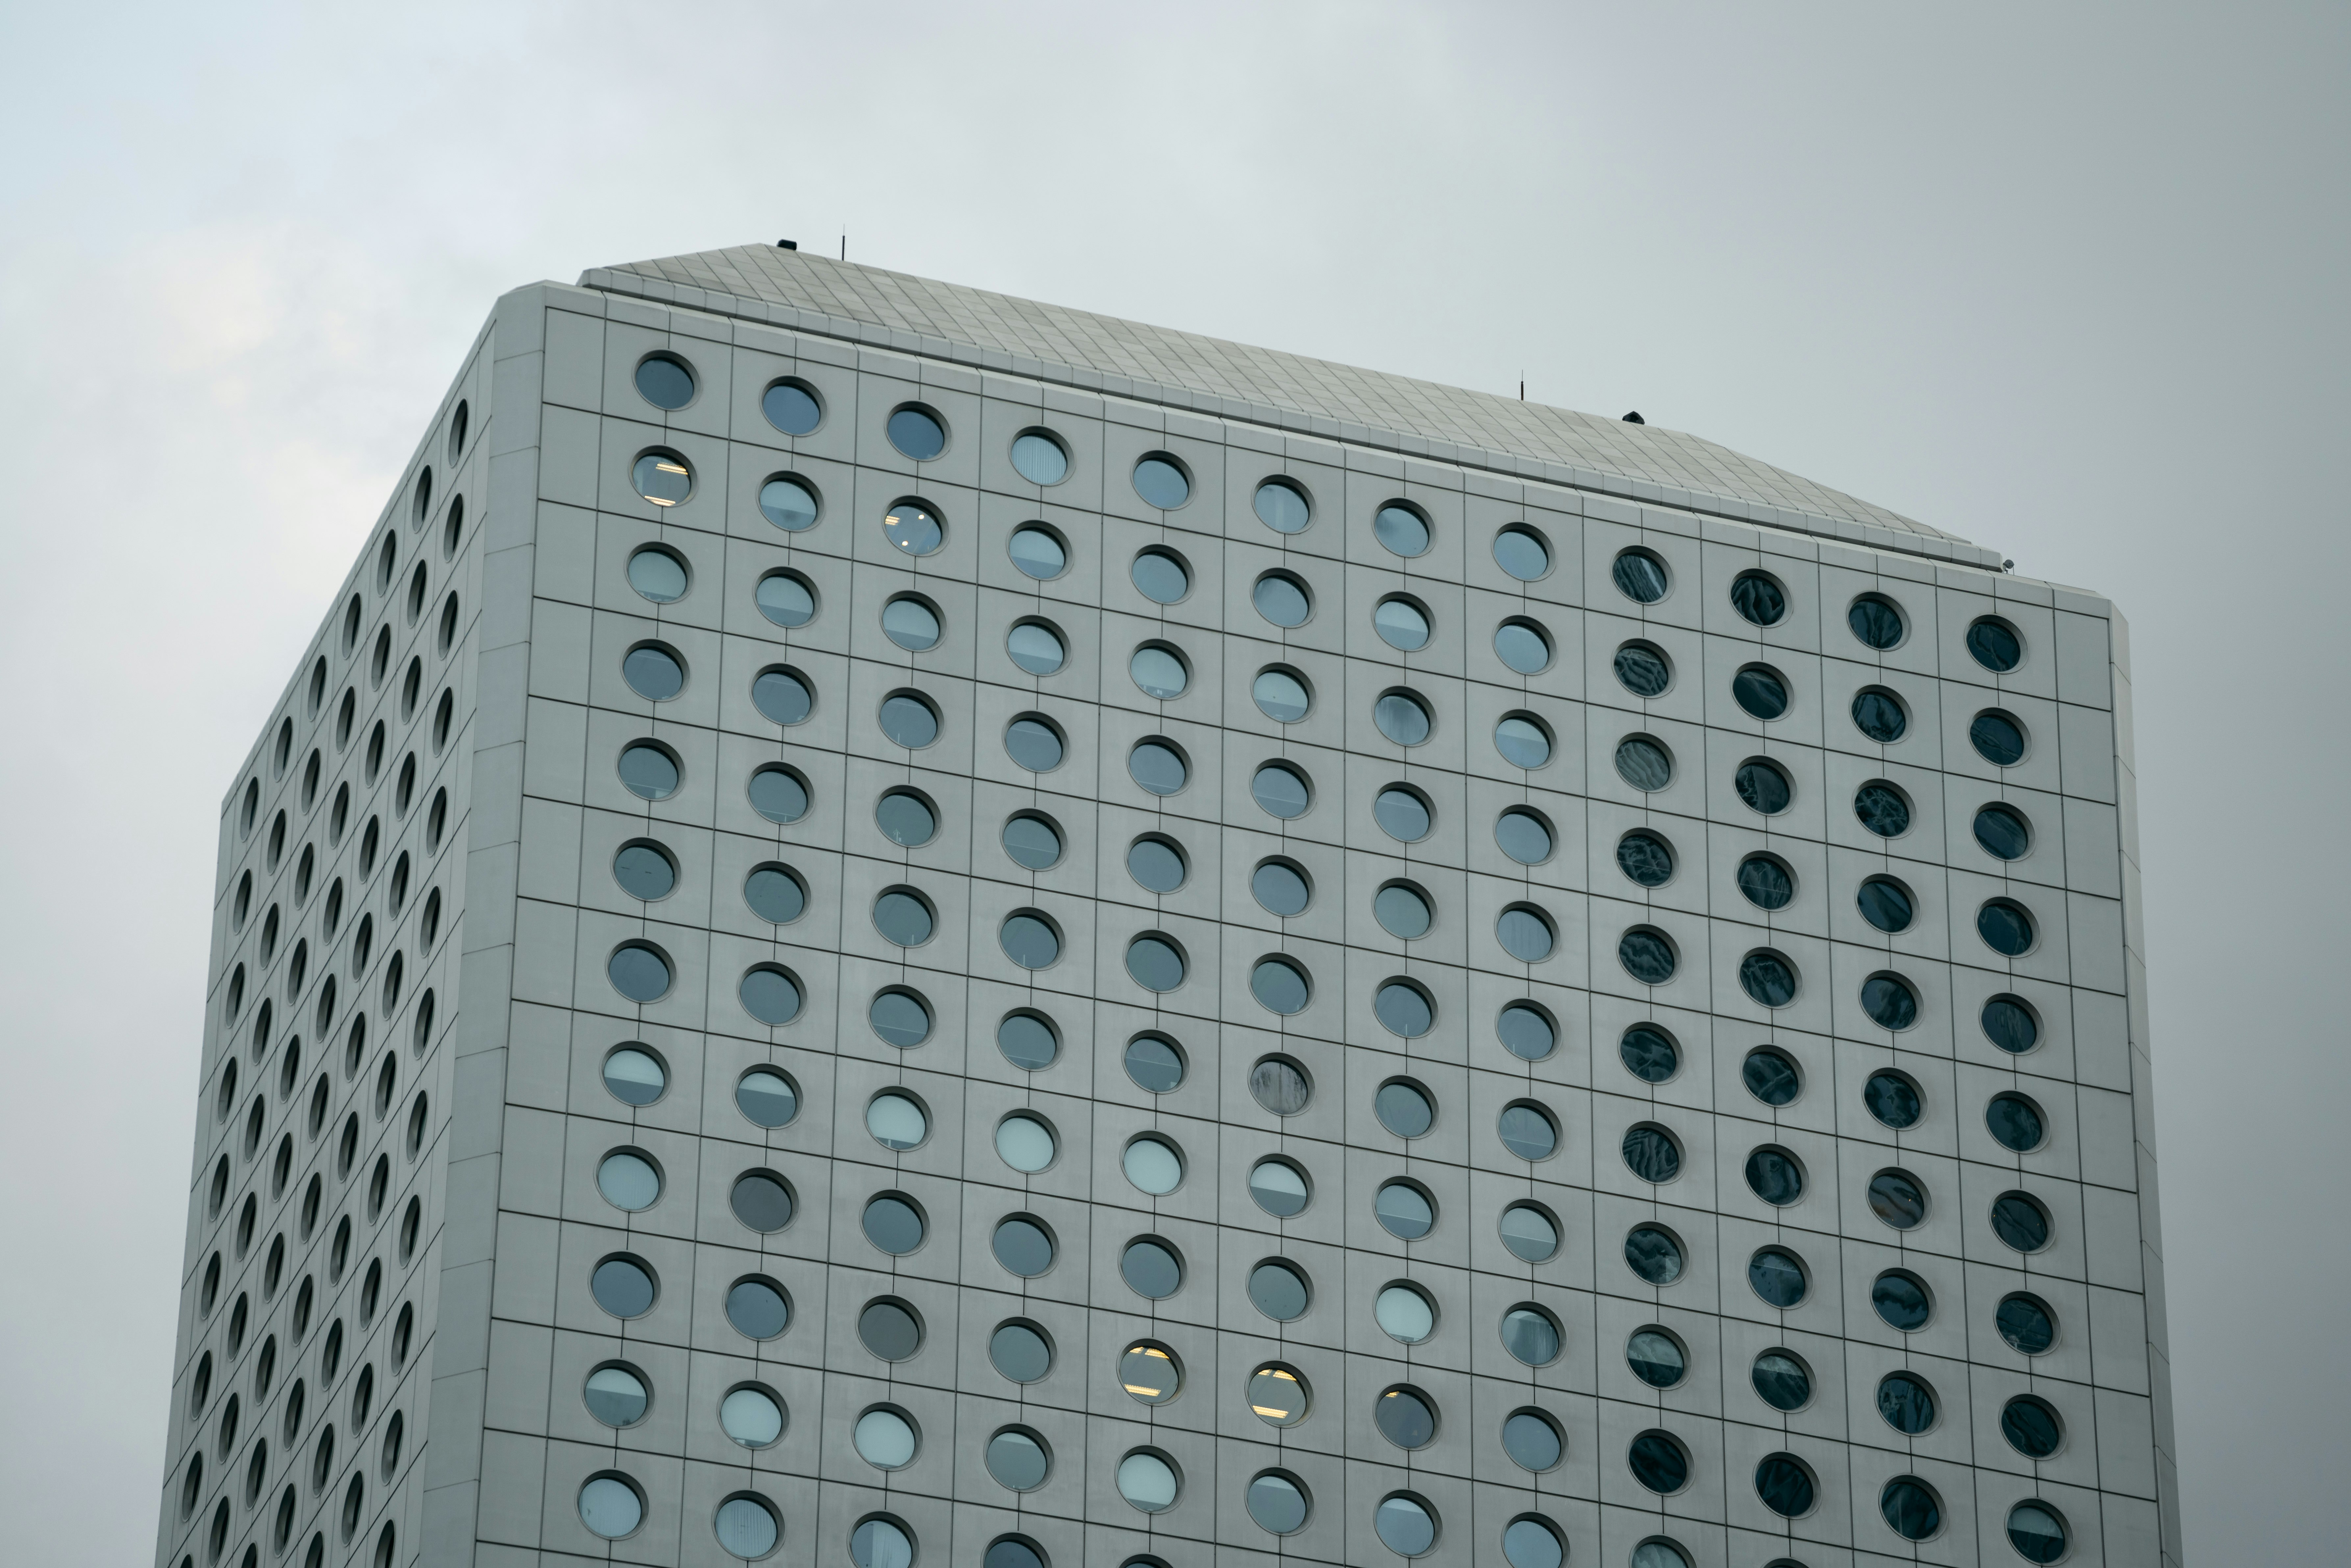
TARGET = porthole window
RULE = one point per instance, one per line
(1657, 1357)
(664, 380)
(900, 1017)
(1282, 599)
(1026, 1145)
(1402, 623)
(2036, 1530)
(649, 771)
(1777, 1276)
(1036, 647)
(1525, 933)
(1162, 482)
(1405, 1314)
(1020, 1352)
(1758, 598)
(628, 1180)
(1652, 1152)
(1033, 742)
(1994, 644)
(1280, 695)
(1530, 1334)
(1282, 507)
(1151, 1268)
(770, 994)
(2031, 1428)
(1760, 692)
(2015, 1122)
(1643, 763)
(1889, 1001)
(634, 1075)
(1404, 1108)
(894, 1224)
(1148, 1482)
(654, 672)
(762, 1200)
(905, 818)
(657, 575)
(1766, 883)
(2026, 1323)
(1155, 962)
(1279, 1187)
(1279, 985)
(1643, 669)
(1768, 978)
(1028, 1039)
(1161, 576)
(644, 871)
(1639, 575)
(897, 1122)
(2006, 927)
(1280, 1085)
(1150, 1373)
(1155, 1063)
(1039, 456)
(1659, 1462)
(789, 502)
(616, 1396)
(1898, 1199)
(2020, 1222)
(746, 1527)
(779, 794)
(2002, 833)
(1279, 1291)
(1160, 673)
(1158, 766)
(1403, 911)
(1901, 1299)
(664, 478)
(1910, 1509)
(1032, 840)
(1876, 622)
(1523, 740)
(1762, 786)
(1882, 809)
(1405, 1525)
(2012, 1025)
(913, 528)
(1781, 1380)
(909, 721)
(1402, 529)
(1523, 836)
(1522, 645)
(884, 1439)
(1278, 1397)
(1785, 1485)
(792, 407)
(1403, 813)
(1645, 858)
(1530, 1232)
(1527, 1131)
(1880, 715)
(1521, 552)
(1019, 1462)
(1038, 552)
(881, 1542)
(1771, 1077)
(1885, 904)
(1280, 887)
(639, 972)
(890, 1329)
(1532, 1542)
(782, 696)
(1892, 1099)
(1648, 955)
(911, 623)
(611, 1507)
(1649, 1054)
(624, 1287)
(916, 432)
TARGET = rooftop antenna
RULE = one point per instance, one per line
(1522, 389)
(844, 247)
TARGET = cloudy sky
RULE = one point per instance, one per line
(2068, 281)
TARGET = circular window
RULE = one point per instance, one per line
(1151, 1269)
(2010, 1025)
(654, 672)
(1039, 458)
(1885, 904)
(2027, 1325)
(786, 599)
(2031, 1428)
(747, 1528)
(1023, 1246)
(1405, 1525)
(1898, 1199)
(1280, 791)
(791, 406)
(628, 1180)
(1644, 762)
(1522, 645)
(918, 432)
(2015, 1122)
(1654, 1254)
(905, 818)
(1404, 1008)
(1892, 1099)
(657, 575)
(1526, 1031)
(1525, 933)
(1760, 692)
(1281, 599)
(1523, 836)
(1038, 552)
(1910, 1509)
(1759, 600)
(1278, 1502)
(648, 771)
(789, 502)
(1648, 955)
(2003, 832)
(1777, 1276)
(1764, 787)
(2034, 1528)
(624, 1287)
(1154, 962)
(1160, 673)
(904, 917)
(884, 1439)
(1402, 911)
(2020, 1222)
(1278, 1396)
(779, 794)
(1882, 809)
(1150, 1373)
(1770, 1077)
(1280, 986)
(890, 1329)
(1530, 1232)
(1768, 978)
(1875, 622)
(1161, 576)
(644, 871)
(900, 1017)
(753, 1418)
(1649, 1054)
(1281, 695)
(1639, 575)
(1781, 1380)
(662, 479)
(1401, 529)
(881, 1542)
(1019, 1462)
(1279, 1187)
(1889, 1001)
(897, 1122)
(782, 696)
(2005, 928)
(1785, 1485)
(1405, 1314)
(1901, 1299)
(1642, 668)
(1152, 1164)
(1280, 1085)
(911, 623)
(1658, 1462)
(1522, 741)
(1403, 717)
(1021, 1351)
(1521, 552)
(767, 1097)
(913, 528)
(609, 1506)
(1403, 813)
(1028, 1040)
(1657, 1357)
(762, 1200)
(758, 1308)
(1032, 840)
(1402, 623)
(1029, 939)
(1282, 507)
(1995, 645)
(1404, 1108)
(1279, 1291)
(1645, 858)
(1158, 766)
(1527, 1131)
(1404, 1210)
(1652, 1152)
(639, 972)
(1879, 714)
(634, 1075)
(1161, 480)
(616, 1396)
(894, 1224)
(1034, 743)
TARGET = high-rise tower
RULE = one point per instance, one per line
(893, 925)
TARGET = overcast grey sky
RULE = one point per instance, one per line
(2069, 282)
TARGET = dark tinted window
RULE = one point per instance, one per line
(1777, 1277)
(1021, 1352)
(1643, 763)
(1878, 714)
(1758, 598)
(1150, 1268)
(1998, 738)
(1022, 1246)
(893, 1225)
(1875, 622)
(1893, 1099)
(2020, 1222)
(1760, 692)
(2031, 1429)
(761, 1202)
(889, 1331)
(1896, 1197)
(1889, 1001)
(1639, 575)
(1882, 809)
(1907, 1402)
(1901, 1300)
(1782, 1381)
(757, 1309)
(1766, 883)
(1770, 1076)
(1645, 858)
(622, 1287)
(1642, 670)
(1155, 1064)
(2010, 1025)
(648, 772)
(1910, 1509)
(790, 408)
(1995, 645)
(2005, 928)
(1784, 1485)
(1647, 955)
(2002, 833)
(1773, 1175)
(2015, 1122)
(778, 795)
(1649, 1053)
(1768, 979)
(1033, 743)
(1652, 1255)
(2026, 1324)
(1651, 1153)
(1885, 904)
(664, 382)
(653, 673)
(1658, 1462)
(917, 435)
(1028, 1040)
(1764, 787)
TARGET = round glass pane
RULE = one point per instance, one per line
(1402, 912)
(1531, 1543)
(2031, 1427)
(746, 1527)
(2005, 928)
(1276, 1291)
(1889, 1001)
(622, 1288)
(905, 818)
(757, 1309)
(1649, 1053)
(653, 673)
(1022, 1246)
(1892, 1099)
(2003, 832)
(1020, 1352)
(1401, 814)
(1525, 1033)
(786, 600)
(2015, 1122)
(1521, 742)
(1280, 696)
(1281, 1086)
(1028, 1040)
(628, 1181)
(1281, 508)
(1403, 1211)
(1777, 1277)
(917, 435)
(1767, 978)
(767, 1098)
(913, 528)
(638, 973)
(788, 504)
(1766, 883)
(1529, 1233)
(1404, 1008)
(1149, 1374)
(1882, 809)
(1524, 934)
(881, 1544)
(1278, 1397)
(1785, 1486)
(1995, 645)
(896, 1121)
(1639, 576)
(1277, 1187)
(1037, 553)
(1401, 718)
(1032, 842)
(1647, 955)
(1760, 692)
(1522, 836)
(1405, 1525)
(782, 698)
(1154, 1166)
(884, 1439)
(1033, 743)
(1770, 1076)
(1773, 1175)
(752, 1418)
(1658, 1462)
(1150, 1270)
(1532, 1441)
(1652, 1154)
(2036, 1531)
(911, 624)
(644, 871)
(1657, 1358)
(609, 1507)
(1758, 598)
(2026, 1324)
(1404, 1314)
(2010, 1025)
(889, 1331)
(1782, 1381)
(1531, 1336)
(1155, 963)
(1018, 1460)
(657, 575)
(1277, 1503)
(1910, 1509)
(1652, 1255)
(892, 1225)
(1404, 1109)
(777, 796)
(903, 918)
(1644, 764)
(1161, 483)
(648, 772)
(2020, 1222)
(1521, 645)
(1999, 740)
(1029, 941)
(1877, 714)
(1645, 858)
(1401, 624)
(1901, 1300)
(1155, 1064)
(761, 1202)
(616, 1397)
(1280, 599)
(1160, 674)
(1642, 670)
(1160, 577)
(1898, 1199)
(1279, 985)
(1039, 458)
(1763, 788)
(1885, 904)
(1161, 770)
(1875, 622)
(1401, 531)
(1528, 1133)
(790, 409)
(634, 1077)
(1520, 553)
(662, 479)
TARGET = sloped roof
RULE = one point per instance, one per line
(920, 315)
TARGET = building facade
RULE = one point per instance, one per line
(892, 925)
